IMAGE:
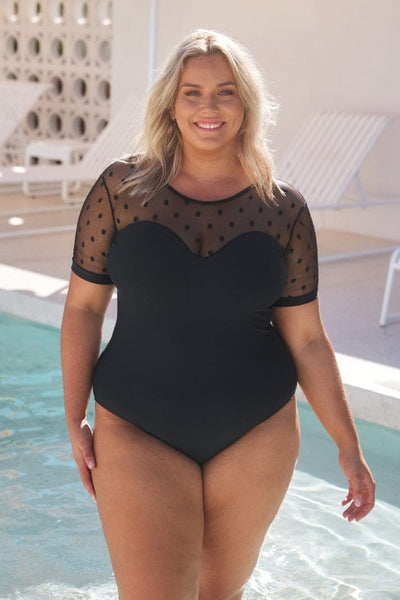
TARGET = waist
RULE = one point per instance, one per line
(203, 353)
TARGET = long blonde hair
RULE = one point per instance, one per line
(159, 149)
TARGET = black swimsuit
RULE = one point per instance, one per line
(194, 359)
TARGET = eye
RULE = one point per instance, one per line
(192, 93)
(227, 92)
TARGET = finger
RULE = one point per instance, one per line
(352, 502)
(84, 471)
(354, 513)
(90, 463)
(350, 512)
(86, 479)
(86, 448)
(348, 498)
(357, 510)
(90, 460)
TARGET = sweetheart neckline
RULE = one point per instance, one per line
(199, 256)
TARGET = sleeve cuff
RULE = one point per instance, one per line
(101, 278)
(297, 300)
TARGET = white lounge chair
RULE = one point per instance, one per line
(117, 138)
(16, 99)
(394, 265)
(327, 154)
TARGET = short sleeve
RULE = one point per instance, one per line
(301, 260)
(94, 234)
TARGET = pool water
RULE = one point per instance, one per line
(51, 541)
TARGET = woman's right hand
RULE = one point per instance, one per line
(82, 448)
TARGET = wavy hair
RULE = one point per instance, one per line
(159, 149)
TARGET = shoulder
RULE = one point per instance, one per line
(117, 172)
(287, 195)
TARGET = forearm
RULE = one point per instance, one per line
(302, 330)
(80, 345)
(320, 380)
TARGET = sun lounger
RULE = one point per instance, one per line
(327, 154)
(394, 265)
(117, 138)
(17, 98)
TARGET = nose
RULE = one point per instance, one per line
(210, 101)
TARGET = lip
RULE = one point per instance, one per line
(210, 125)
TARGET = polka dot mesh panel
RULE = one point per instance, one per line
(205, 227)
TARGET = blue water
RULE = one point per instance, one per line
(51, 541)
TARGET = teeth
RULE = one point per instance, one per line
(209, 125)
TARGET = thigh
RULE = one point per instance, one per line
(243, 488)
(150, 503)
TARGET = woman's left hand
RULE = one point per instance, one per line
(361, 494)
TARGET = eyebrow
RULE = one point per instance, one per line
(195, 85)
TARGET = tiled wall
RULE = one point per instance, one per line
(68, 45)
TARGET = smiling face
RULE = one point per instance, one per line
(208, 109)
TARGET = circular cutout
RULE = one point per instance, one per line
(81, 12)
(101, 125)
(55, 123)
(105, 51)
(35, 11)
(33, 77)
(80, 88)
(57, 85)
(12, 45)
(32, 120)
(79, 126)
(80, 49)
(57, 10)
(34, 46)
(103, 90)
(57, 48)
(105, 12)
(12, 11)
(11, 76)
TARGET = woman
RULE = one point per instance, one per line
(196, 431)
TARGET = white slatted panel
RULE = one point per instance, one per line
(116, 139)
(327, 153)
(16, 99)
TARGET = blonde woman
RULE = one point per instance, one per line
(196, 432)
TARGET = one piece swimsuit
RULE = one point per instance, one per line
(194, 358)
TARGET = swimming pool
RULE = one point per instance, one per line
(52, 545)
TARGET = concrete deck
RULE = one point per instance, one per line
(35, 261)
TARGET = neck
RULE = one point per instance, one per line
(211, 168)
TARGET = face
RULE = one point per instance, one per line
(208, 109)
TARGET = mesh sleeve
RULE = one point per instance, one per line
(94, 234)
(301, 259)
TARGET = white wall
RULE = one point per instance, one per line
(314, 54)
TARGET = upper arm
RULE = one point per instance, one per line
(296, 235)
(94, 235)
(91, 287)
(84, 295)
(295, 315)
(298, 325)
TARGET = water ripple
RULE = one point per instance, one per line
(312, 553)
